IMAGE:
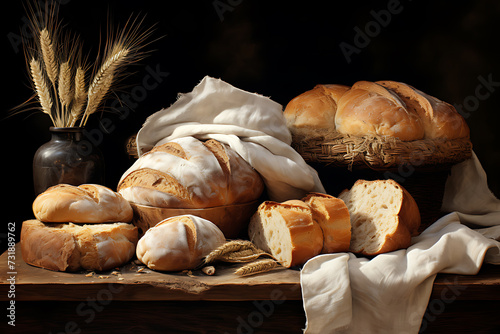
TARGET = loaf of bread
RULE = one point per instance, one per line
(189, 173)
(178, 243)
(382, 108)
(384, 216)
(333, 217)
(71, 247)
(87, 203)
(297, 230)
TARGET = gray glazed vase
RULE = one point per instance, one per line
(67, 158)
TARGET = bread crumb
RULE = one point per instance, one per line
(116, 273)
(208, 270)
(140, 270)
(121, 278)
(90, 274)
(103, 277)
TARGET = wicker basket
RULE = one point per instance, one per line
(420, 166)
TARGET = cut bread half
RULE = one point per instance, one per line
(287, 231)
(384, 216)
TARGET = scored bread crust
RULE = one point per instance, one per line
(71, 247)
(440, 119)
(314, 108)
(188, 173)
(287, 231)
(87, 203)
(178, 243)
(371, 109)
(380, 225)
(332, 216)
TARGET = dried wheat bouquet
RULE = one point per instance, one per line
(67, 87)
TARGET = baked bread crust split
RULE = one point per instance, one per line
(71, 247)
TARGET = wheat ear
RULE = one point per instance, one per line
(41, 88)
(228, 247)
(257, 267)
(80, 95)
(103, 80)
(49, 55)
(65, 88)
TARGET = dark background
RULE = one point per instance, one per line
(276, 48)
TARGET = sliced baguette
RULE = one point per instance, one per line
(331, 214)
(384, 216)
(287, 231)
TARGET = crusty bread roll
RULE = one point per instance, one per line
(333, 217)
(188, 173)
(440, 119)
(70, 247)
(87, 203)
(384, 216)
(315, 108)
(178, 243)
(287, 231)
(369, 108)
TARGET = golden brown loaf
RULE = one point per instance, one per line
(70, 247)
(297, 230)
(384, 216)
(382, 108)
(178, 243)
(87, 203)
(188, 173)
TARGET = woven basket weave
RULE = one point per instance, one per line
(420, 166)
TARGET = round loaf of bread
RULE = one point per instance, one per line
(315, 108)
(71, 247)
(287, 231)
(371, 109)
(178, 243)
(87, 203)
(331, 214)
(188, 173)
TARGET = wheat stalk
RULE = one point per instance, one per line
(65, 86)
(49, 55)
(257, 267)
(103, 80)
(229, 247)
(41, 88)
(80, 95)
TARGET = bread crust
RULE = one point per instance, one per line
(87, 203)
(71, 247)
(305, 236)
(188, 173)
(331, 214)
(178, 243)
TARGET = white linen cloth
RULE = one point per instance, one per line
(251, 124)
(390, 293)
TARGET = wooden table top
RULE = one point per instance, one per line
(134, 284)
